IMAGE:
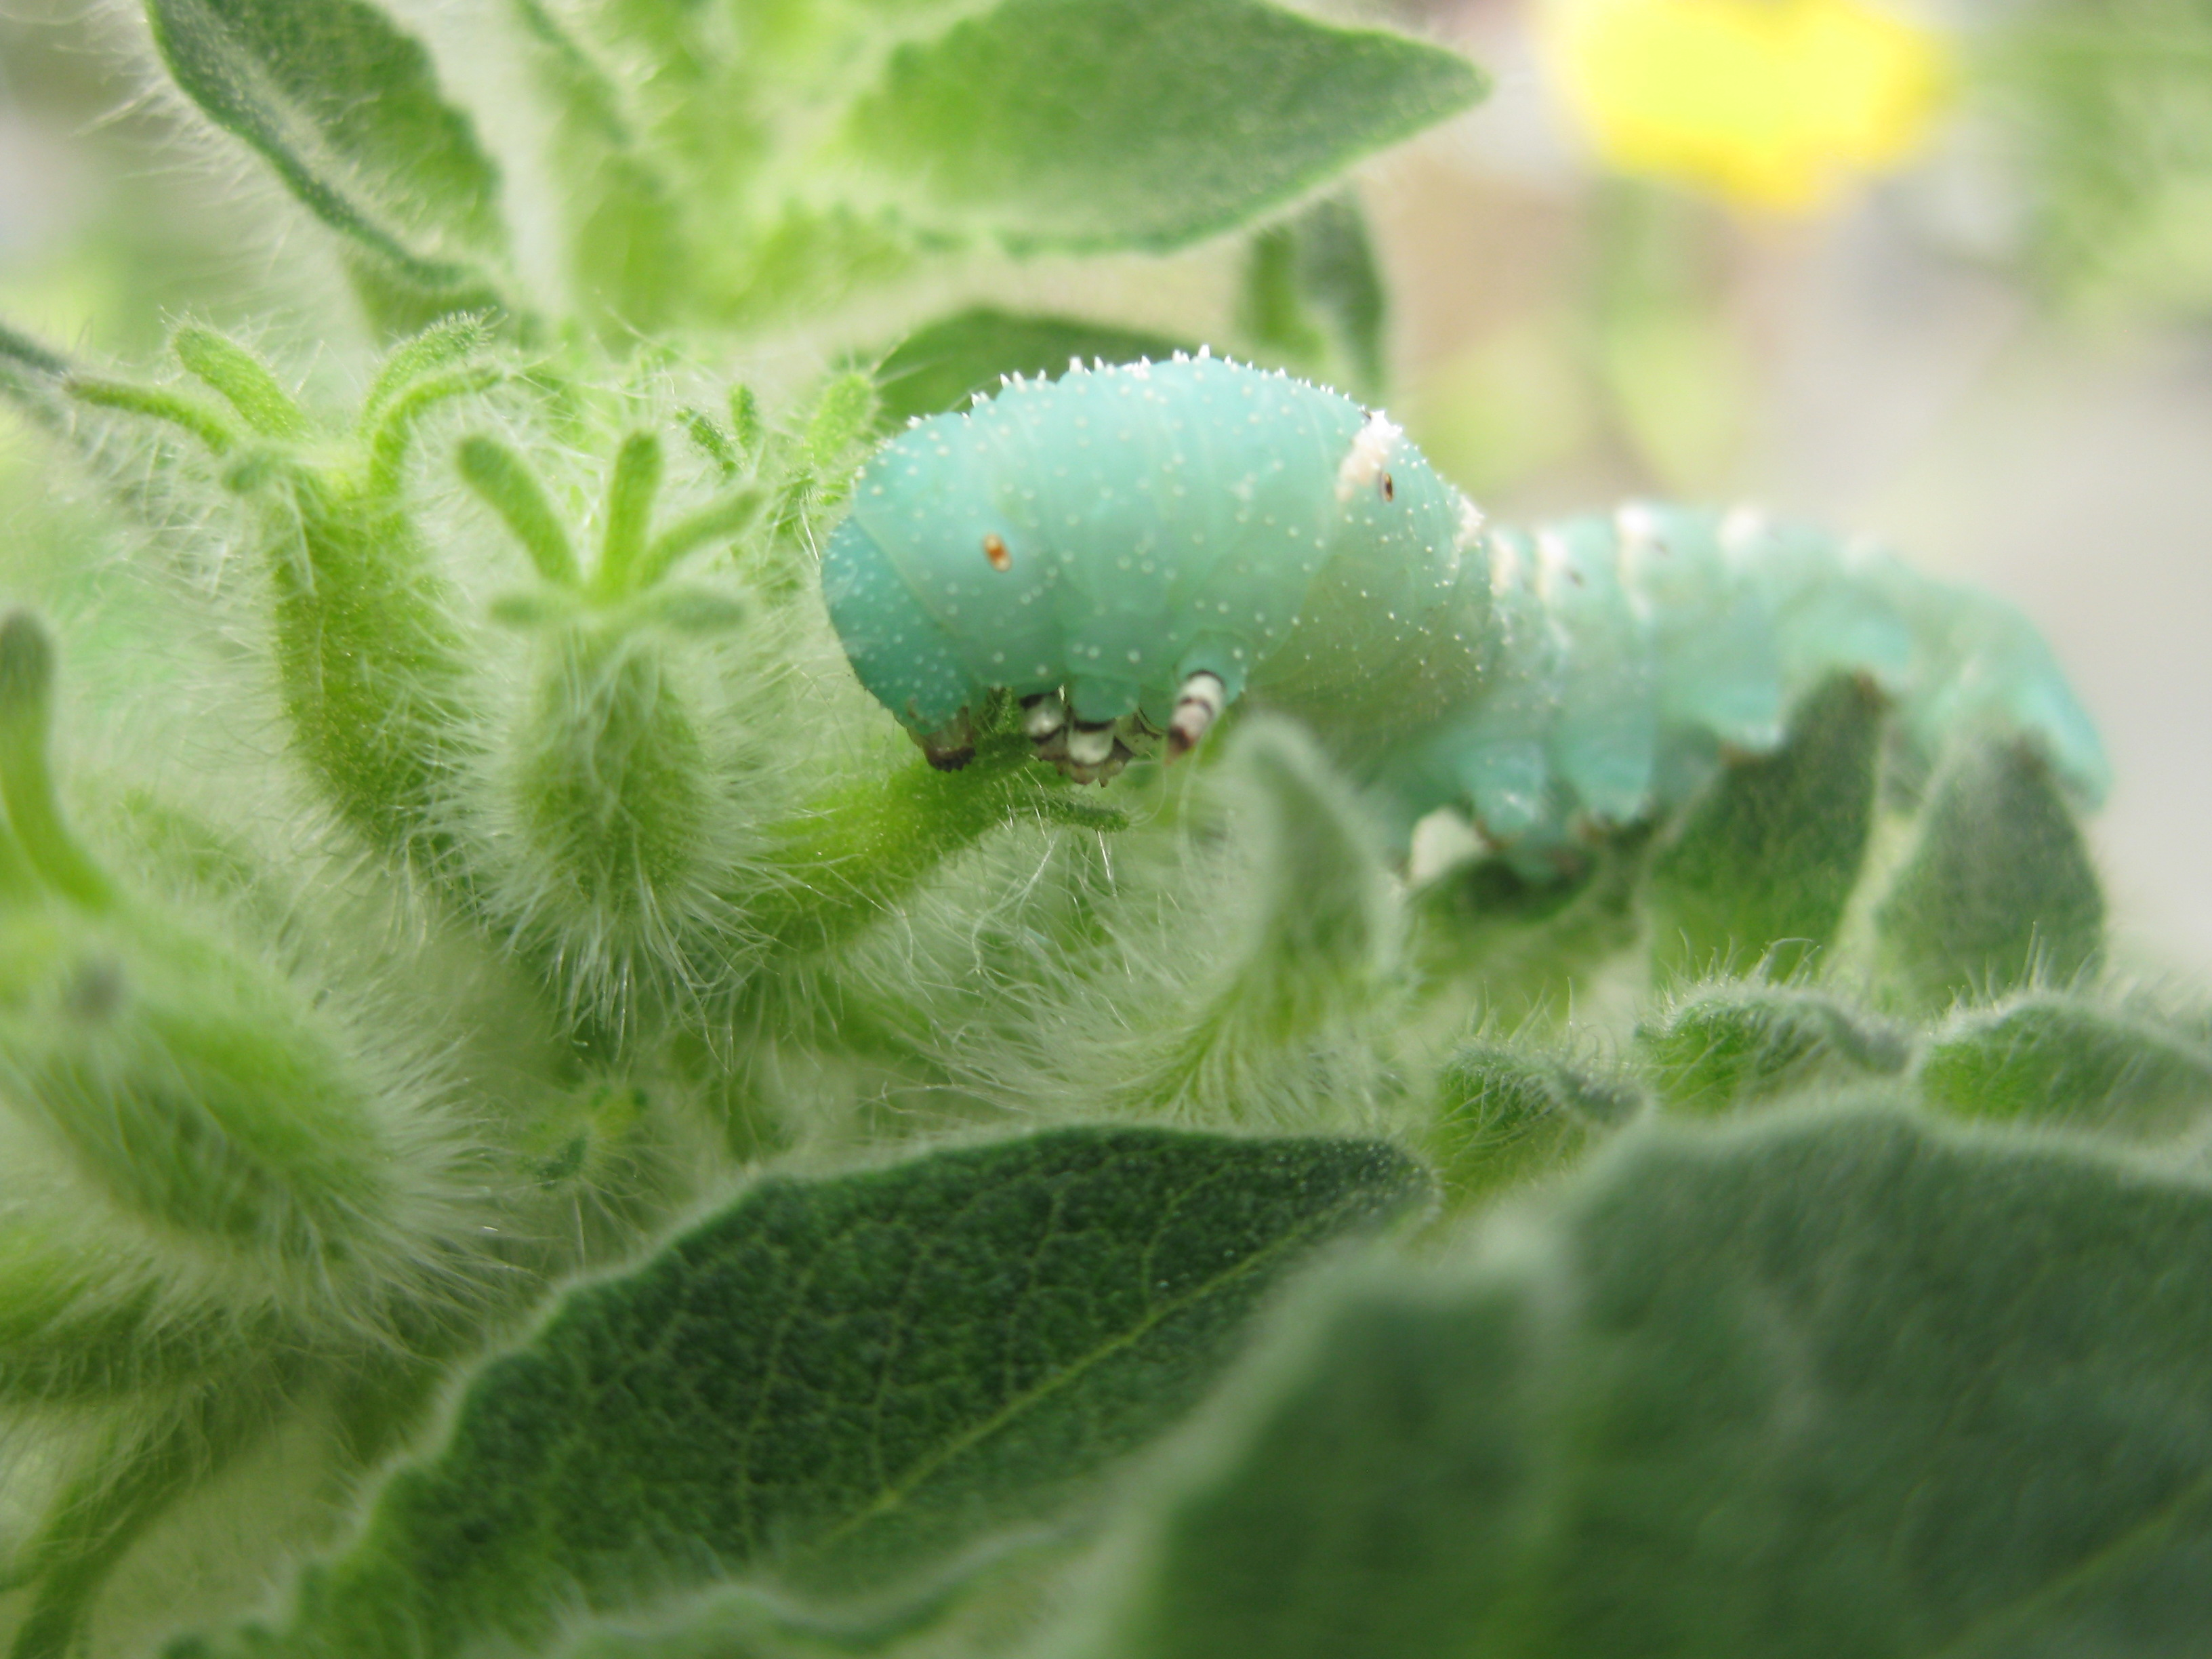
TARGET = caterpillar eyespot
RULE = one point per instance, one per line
(1196, 531)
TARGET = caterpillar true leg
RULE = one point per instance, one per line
(1044, 714)
(1091, 746)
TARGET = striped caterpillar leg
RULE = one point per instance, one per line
(1086, 752)
(1198, 705)
(1091, 751)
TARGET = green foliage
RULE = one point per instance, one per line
(2109, 100)
(2042, 1058)
(1507, 1110)
(1997, 891)
(519, 1089)
(942, 366)
(1314, 298)
(1730, 1044)
(1138, 124)
(344, 107)
(1711, 1401)
(831, 1380)
(1764, 865)
(1310, 953)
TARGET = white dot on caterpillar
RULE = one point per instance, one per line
(995, 549)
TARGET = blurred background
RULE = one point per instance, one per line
(1938, 273)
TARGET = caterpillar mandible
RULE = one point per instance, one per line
(1130, 549)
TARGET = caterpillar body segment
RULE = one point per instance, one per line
(1130, 549)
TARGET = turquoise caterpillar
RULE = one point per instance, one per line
(1130, 550)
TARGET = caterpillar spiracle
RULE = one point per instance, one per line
(1130, 549)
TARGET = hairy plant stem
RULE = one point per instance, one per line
(854, 852)
(370, 667)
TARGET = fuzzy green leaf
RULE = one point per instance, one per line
(840, 1376)
(1312, 296)
(1999, 891)
(344, 105)
(1531, 944)
(940, 366)
(627, 238)
(1509, 1111)
(511, 489)
(242, 381)
(1148, 123)
(1732, 1044)
(2061, 1060)
(27, 780)
(1766, 862)
(1838, 1384)
(1254, 1025)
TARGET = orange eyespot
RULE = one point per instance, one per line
(995, 549)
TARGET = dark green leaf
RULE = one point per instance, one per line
(1766, 860)
(20, 353)
(940, 366)
(1999, 890)
(344, 105)
(1149, 124)
(30, 376)
(1834, 1383)
(2059, 1060)
(1732, 1044)
(839, 1376)
(1312, 296)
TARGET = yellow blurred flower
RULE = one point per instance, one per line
(1773, 103)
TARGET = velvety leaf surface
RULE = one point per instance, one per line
(1836, 1382)
(2060, 1059)
(939, 367)
(1730, 1044)
(1312, 296)
(344, 105)
(1999, 891)
(1094, 124)
(1766, 860)
(833, 1379)
(1505, 1111)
